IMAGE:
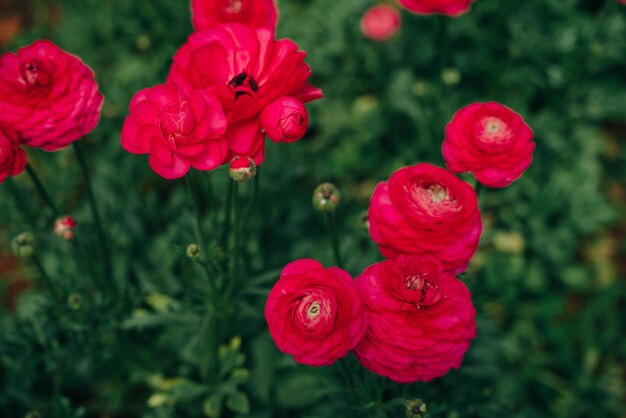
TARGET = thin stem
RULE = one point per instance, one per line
(334, 239)
(442, 41)
(47, 281)
(21, 207)
(255, 192)
(104, 248)
(227, 211)
(234, 232)
(42, 190)
(193, 194)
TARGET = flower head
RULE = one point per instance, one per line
(426, 209)
(315, 313)
(48, 96)
(12, 157)
(491, 141)
(178, 128)
(285, 120)
(445, 7)
(421, 319)
(246, 69)
(254, 13)
(380, 22)
(64, 227)
(242, 169)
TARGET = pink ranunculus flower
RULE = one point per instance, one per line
(285, 120)
(64, 227)
(491, 141)
(48, 96)
(247, 70)
(426, 209)
(314, 313)
(178, 128)
(421, 319)
(254, 13)
(380, 22)
(445, 7)
(12, 157)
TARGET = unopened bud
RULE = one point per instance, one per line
(193, 252)
(450, 76)
(32, 414)
(64, 227)
(415, 409)
(242, 169)
(326, 197)
(285, 120)
(23, 245)
(75, 301)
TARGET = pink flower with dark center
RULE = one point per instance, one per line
(426, 209)
(254, 13)
(285, 120)
(489, 140)
(247, 70)
(421, 319)
(179, 129)
(445, 7)
(48, 96)
(12, 157)
(314, 313)
(380, 22)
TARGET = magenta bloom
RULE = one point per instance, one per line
(380, 22)
(445, 7)
(426, 209)
(285, 120)
(12, 157)
(48, 96)
(489, 140)
(253, 13)
(421, 319)
(179, 129)
(314, 313)
(247, 70)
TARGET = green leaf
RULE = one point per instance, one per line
(302, 388)
(238, 402)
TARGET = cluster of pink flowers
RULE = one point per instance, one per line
(383, 21)
(231, 84)
(420, 319)
(48, 99)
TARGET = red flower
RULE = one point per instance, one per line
(380, 22)
(64, 227)
(12, 157)
(445, 7)
(315, 313)
(421, 319)
(491, 141)
(179, 129)
(247, 70)
(48, 96)
(254, 13)
(426, 209)
(285, 120)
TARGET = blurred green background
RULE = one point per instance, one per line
(548, 281)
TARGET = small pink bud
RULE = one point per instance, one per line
(64, 227)
(285, 120)
(242, 169)
(380, 22)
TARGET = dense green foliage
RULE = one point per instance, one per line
(547, 282)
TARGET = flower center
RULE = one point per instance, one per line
(434, 199)
(313, 310)
(428, 293)
(493, 130)
(177, 120)
(233, 6)
(243, 84)
(34, 74)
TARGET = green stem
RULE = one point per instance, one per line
(21, 207)
(104, 248)
(255, 192)
(442, 42)
(334, 239)
(227, 211)
(47, 281)
(234, 232)
(193, 194)
(42, 190)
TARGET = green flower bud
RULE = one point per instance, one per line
(451, 76)
(242, 169)
(326, 197)
(415, 409)
(75, 301)
(23, 245)
(193, 252)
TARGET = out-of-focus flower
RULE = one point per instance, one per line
(48, 96)
(445, 7)
(254, 13)
(12, 158)
(178, 128)
(426, 209)
(326, 197)
(23, 245)
(421, 319)
(285, 120)
(315, 313)
(247, 70)
(380, 22)
(64, 227)
(489, 140)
